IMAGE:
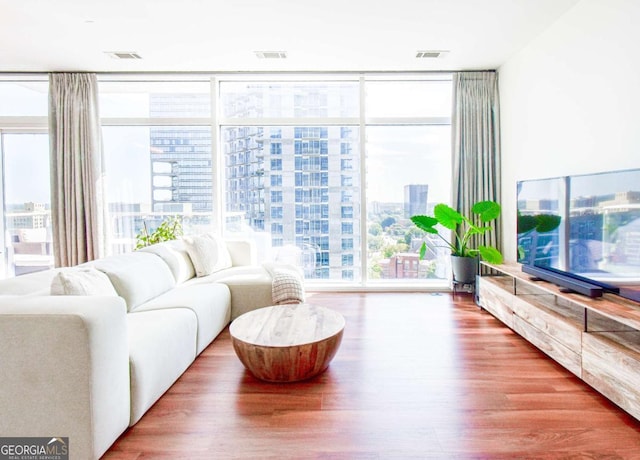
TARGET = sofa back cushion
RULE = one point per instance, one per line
(82, 281)
(175, 255)
(136, 276)
(208, 253)
(242, 251)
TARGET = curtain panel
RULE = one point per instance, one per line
(77, 169)
(475, 127)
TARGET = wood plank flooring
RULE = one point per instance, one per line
(418, 375)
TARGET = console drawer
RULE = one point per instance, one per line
(549, 345)
(562, 329)
(612, 369)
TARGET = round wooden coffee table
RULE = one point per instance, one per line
(287, 343)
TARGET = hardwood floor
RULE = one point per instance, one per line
(418, 375)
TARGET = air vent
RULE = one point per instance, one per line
(271, 54)
(123, 54)
(432, 54)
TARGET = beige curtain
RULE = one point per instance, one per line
(475, 127)
(77, 209)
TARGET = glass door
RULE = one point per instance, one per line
(26, 203)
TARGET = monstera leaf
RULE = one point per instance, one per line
(541, 223)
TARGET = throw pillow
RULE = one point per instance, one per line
(224, 257)
(287, 288)
(82, 281)
(208, 254)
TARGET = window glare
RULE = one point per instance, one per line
(289, 99)
(154, 99)
(27, 207)
(408, 99)
(19, 99)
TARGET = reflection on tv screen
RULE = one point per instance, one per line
(587, 226)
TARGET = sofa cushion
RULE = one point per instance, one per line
(82, 281)
(162, 345)
(136, 276)
(208, 253)
(250, 287)
(176, 256)
(243, 251)
(211, 302)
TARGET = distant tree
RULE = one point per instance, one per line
(392, 249)
(375, 243)
(396, 230)
(375, 229)
(375, 272)
(412, 233)
(387, 222)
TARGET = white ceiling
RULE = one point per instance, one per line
(318, 35)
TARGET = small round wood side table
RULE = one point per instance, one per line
(287, 343)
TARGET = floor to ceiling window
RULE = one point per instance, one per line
(297, 173)
(25, 196)
(322, 171)
(158, 156)
(27, 203)
(408, 158)
(290, 153)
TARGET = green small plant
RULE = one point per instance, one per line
(463, 229)
(169, 229)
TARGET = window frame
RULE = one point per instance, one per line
(215, 122)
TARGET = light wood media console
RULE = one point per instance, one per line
(598, 340)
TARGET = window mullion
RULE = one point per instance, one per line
(364, 265)
(317, 121)
(139, 121)
(219, 201)
(406, 121)
(24, 123)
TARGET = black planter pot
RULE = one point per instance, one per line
(464, 269)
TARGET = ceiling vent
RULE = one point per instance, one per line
(271, 54)
(431, 54)
(123, 55)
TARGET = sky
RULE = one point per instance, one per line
(402, 155)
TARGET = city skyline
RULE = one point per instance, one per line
(299, 183)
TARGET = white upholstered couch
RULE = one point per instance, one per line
(87, 367)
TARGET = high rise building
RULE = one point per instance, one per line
(31, 216)
(294, 183)
(180, 155)
(299, 183)
(415, 199)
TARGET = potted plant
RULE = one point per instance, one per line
(464, 256)
(169, 229)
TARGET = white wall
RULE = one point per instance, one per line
(570, 100)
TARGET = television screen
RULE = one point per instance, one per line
(584, 226)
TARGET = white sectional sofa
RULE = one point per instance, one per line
(88, 366)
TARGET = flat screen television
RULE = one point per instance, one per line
(582, 232)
